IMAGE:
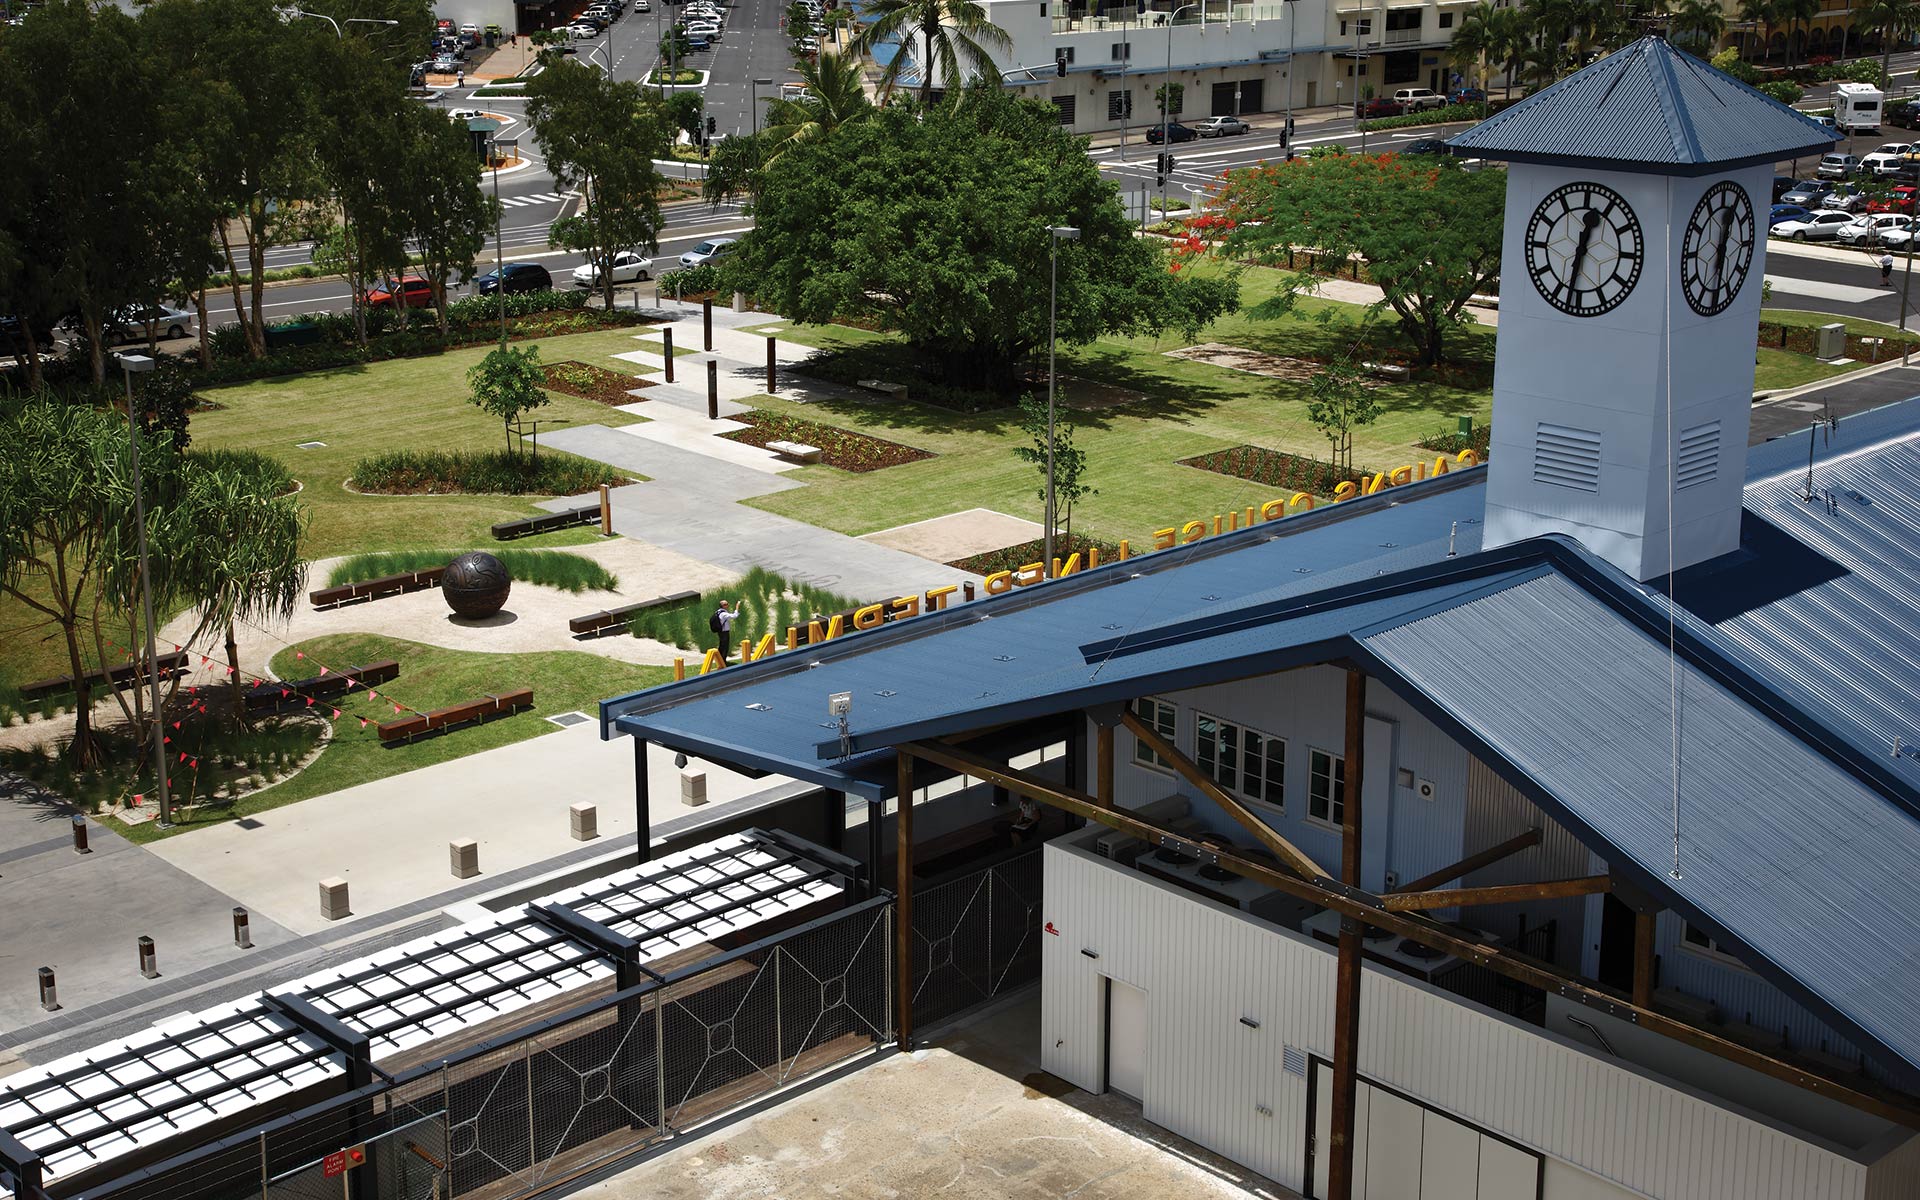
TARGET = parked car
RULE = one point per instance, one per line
(471, 33)
(704, 29)
(708, 251)
(1782, 184)
(1827, 121)
(1899, 199)
(1821, 225)
(1870, 229)
(463, 114)
(1904, 113)
(1786, 212)
(515, 278)
(627, 268)
(412, 290)
(444, 65)
(1425, 146)
(1222, 127)
(1886, 160)
(582, 29)
(1418, 99)
(131, 324)
(1837, 166)
(642, 6)
(1379, 106)
(1467, 95)
(1847, 197)
(1808, 193)
(12, 340)
(1173, 134)
(698, 44)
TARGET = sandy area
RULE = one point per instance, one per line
(957, 535)
(1253, 362)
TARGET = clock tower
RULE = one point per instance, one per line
(1630, 286)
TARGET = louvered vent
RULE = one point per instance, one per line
(1293, 1060)
(1699, 459)
(1567, 457)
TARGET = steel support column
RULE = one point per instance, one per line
(1346, 1004)
(642, 804)
(834, 805)
(903, 897)
(1103, 765)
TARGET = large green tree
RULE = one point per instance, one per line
(938, 229)
(1428, 232)
(444, 209)
(601, 136)
(956, 42)
(1895, 19)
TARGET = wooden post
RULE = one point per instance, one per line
(1346, 1004)
(713, 390)
(606, 511)
(706, 322)
(1643, 959)
(772, 387)
(666, 333)
(1103, 765)
(903, 898)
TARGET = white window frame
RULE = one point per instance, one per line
(1712, 951)
(1333, 819)
(1142, 756)
(1239, 785)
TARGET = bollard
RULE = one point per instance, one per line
(149, 958)
(666, 333)
(334, 899)
(706, 320)
(713, 390)
(606, 512)
(49, 994)
(80, 835)
(967, 589)
(242, 936)
(583, 821)
(771, 388)
(693, 787)
(463, 856)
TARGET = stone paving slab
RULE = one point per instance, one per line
(958, 535)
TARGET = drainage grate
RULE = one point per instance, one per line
(563, 720)
(310, 445)
(249, 823)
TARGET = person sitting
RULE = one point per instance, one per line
(1027, 822)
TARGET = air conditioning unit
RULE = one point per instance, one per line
(1122, 848)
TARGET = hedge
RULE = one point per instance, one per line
(1433, 116)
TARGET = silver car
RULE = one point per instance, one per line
(1221, 127)
(711, 250)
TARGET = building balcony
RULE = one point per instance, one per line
(1125, 18)
(1403, 37)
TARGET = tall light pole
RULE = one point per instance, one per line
(499, 265)
(1166, 99)
(131, 365)
(1286, 137)
(1055, 235)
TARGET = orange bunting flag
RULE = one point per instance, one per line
(183, 756)
(309, 701)
(284, 693)
(176, 724)
(141, 799)
(299, 653)
(336, 714)
(363, 722)
(372, 695)
(396, 708)
(323, 670)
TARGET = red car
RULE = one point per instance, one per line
(1379, 106)
(1900, 199)
(416, 291)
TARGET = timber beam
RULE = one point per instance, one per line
(1350, 902)
(1524, 840)
(1507, 893)
(1295, 859)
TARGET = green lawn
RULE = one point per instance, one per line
(1182, 408)
(430, 677)
(417, 402)
(1778, 370)
(1793, 317)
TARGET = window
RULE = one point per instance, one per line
(1164, 718)
(1119, 105)
(1242, 760)
(1363, 27)
(1446, 20)
(1122, 51)
(1064, 55)
(1065, 107)
(1697, 939)
(1327, 788)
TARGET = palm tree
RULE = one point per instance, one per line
(1510, 40)
(833, 95)
(953, 33)
(1700, 23)
(1894, 19)
(1796, 12)
(1759, 16)
(1475, 40)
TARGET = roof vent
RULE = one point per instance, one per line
(1699, 458)
(1566, 457)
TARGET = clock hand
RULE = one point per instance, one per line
(1590, 221)
(1720, 252)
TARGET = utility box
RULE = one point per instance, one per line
(1830, 342)
(693, 788)
(333, 899)
(583, 820)
(463, 856)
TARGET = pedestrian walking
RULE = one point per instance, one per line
(1886, 269)
(721, 622)
(460, 78)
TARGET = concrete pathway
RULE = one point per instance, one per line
(1348, 291)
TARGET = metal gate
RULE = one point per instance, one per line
(407, 1163)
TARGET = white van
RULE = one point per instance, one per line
(1856, 108)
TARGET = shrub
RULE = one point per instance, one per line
(1433, 116)
(444, 472)
(768, 603)
(1784, 92)
(547, 568)
(475, 309)
(1450, 442)
(691, 281)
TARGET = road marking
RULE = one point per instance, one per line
(1821, 290)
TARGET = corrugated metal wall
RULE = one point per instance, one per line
(1495, 812)
(1209, 1075)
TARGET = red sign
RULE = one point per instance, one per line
(1052, 930)
(334, 1164)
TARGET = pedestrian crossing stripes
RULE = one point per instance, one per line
(540, 198)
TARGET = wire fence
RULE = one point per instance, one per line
(976, 937)
(539, 1103)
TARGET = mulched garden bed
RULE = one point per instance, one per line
(591, 383)
(1274, 468)
(1453, 443)
(1012, 558)
(841, 448)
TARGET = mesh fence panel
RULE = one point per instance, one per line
(975, 937)
(832, 992)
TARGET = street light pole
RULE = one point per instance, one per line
(131, 365)
(1166, 100)
(499, 263)
(1286, 137)
(1055, 235)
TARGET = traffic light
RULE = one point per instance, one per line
(1160, 164)
(712, 125)
(1060, 65)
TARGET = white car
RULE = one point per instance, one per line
(583, 30)
(464, 114)
(131, 324)
(711, 16)
(708, 251)
(1887, 160)
(703, 29)
(1822, 226)
(1872, 230)
(627, 268)
(642, 6)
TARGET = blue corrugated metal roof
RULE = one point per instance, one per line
(1781, 850)
(1647, 107)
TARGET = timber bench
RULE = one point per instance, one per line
(798, 451)
(415, 725)
(274, 695)
(566, 518)
(172, 666)
(606, 619)
(375, 589)
(897, 390)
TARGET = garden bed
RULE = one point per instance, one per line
(840, 448)
(1025, 554)
(1453, 443)
(1274, 468)
(589, 382)
(443, 472)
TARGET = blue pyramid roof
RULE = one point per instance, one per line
(1649, 108)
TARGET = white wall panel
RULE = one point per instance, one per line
(1495, 811)
(1203, 965)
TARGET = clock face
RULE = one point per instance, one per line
(1718, 250)
(1584, 249)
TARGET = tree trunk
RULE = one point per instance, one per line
(96, 353)
(257, 285)
(206, 341)
(256, 344)
(81, 752)
(34, 378)
(926, 68)
(233, 664)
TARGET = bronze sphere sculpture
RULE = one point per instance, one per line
(475, 584)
